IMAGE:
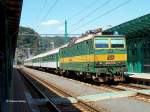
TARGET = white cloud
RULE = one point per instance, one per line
(50, 23)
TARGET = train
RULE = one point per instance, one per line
(102, 58)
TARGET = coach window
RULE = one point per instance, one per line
(101, 43)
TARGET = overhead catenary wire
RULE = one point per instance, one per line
(49, 10)
(82, 10)
(103, 14)
(44, 5)
(42, 9)
(92, 12)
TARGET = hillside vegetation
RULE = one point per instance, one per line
(29, 42)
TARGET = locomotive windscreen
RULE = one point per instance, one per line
(109, 43)
(101, 43)
(117, 43)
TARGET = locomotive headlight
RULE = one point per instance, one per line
(121, 62)
(99, 63)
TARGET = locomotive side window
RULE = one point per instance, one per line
(101, 43)
(117, 43)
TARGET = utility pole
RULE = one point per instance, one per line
(66, 34)
(28, 53)
(52, 43)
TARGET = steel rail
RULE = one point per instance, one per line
(53, 107)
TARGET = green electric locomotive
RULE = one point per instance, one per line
(100, 57)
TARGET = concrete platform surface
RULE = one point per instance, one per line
(17, 101)
(122, 105)
(105, 96)
(147, 92)
(140, 75)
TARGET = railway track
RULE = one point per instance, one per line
(140, 95)
(135, 86)
(123, 87)
(132, 85)
(48, 106)
(45, 88)
(108, 88)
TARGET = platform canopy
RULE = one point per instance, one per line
(14, 13)
(139, 27)
(10, 11)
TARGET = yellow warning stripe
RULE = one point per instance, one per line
(95, 58)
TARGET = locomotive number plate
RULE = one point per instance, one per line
(110, 57)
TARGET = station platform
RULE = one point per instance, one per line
(17, 101)
(139, 77)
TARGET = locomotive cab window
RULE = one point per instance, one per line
(117, 43)
(101, 43)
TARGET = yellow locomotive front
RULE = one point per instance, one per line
(110, 57)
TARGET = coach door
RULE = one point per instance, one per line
(89, 59)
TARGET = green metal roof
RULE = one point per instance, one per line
(139, 27)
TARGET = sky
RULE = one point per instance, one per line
(48, 16)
